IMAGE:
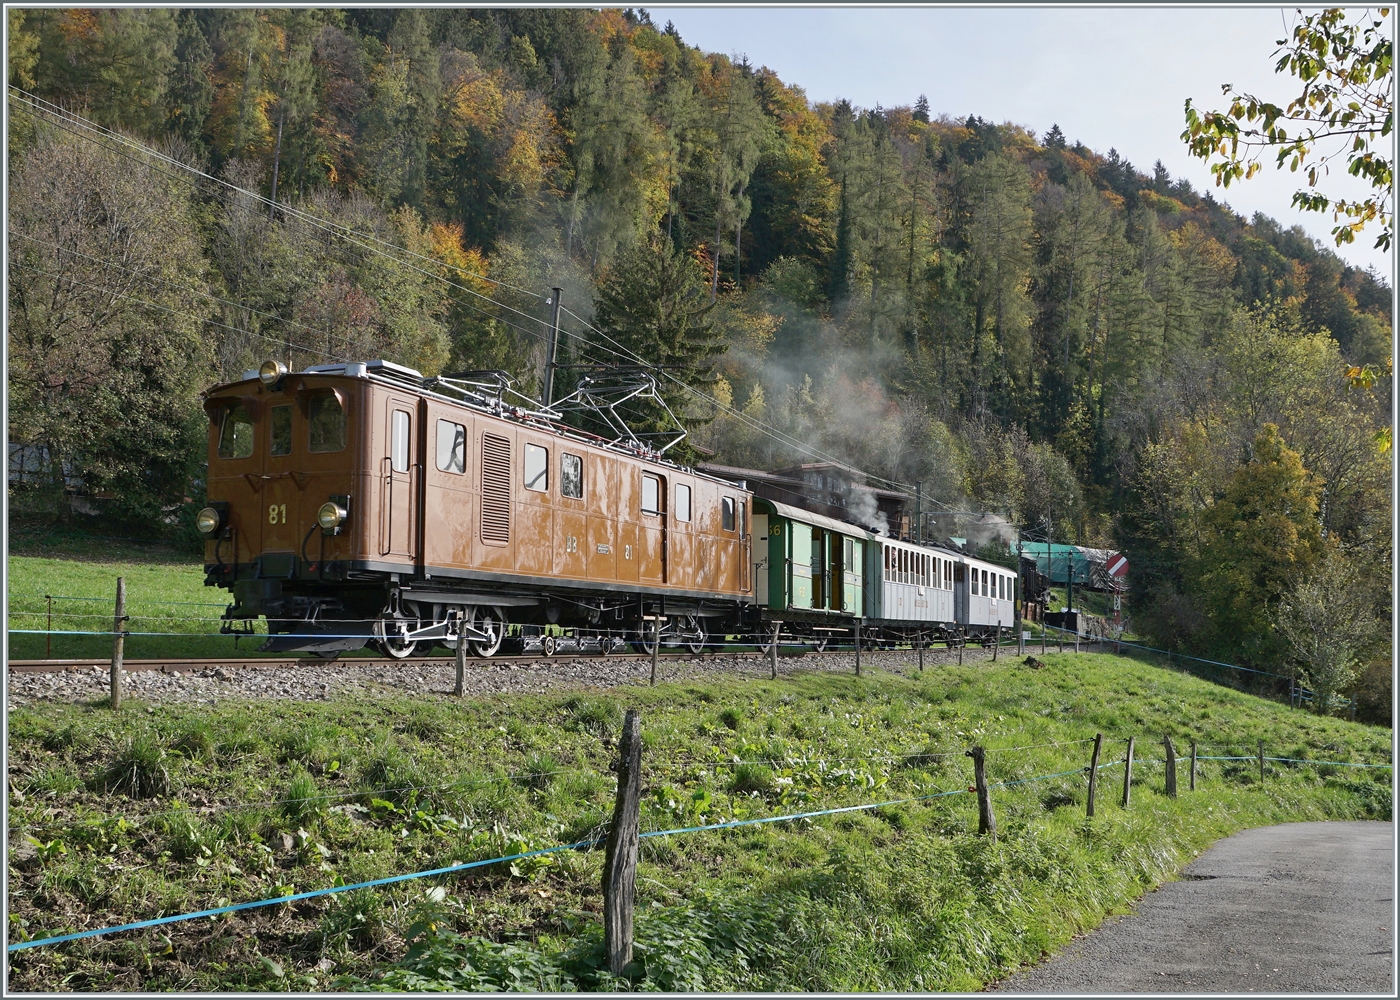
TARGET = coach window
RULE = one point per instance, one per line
(281, 430)
(973, 574)
(571, 476)
(536, 468)
(327, 420)
(236, 433)
(682, 502)
(651, 495)
(985, 592)
(727, 514)
(398, 442)
(451, 447)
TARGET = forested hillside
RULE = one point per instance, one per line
(1028, 326)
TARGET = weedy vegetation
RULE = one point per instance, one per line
(117, 817)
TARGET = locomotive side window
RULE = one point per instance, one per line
(651, 495)
(236, 433)
(743, 519)
(682, 502)
(727, 514)
(327, 420)
(451, 447)
(571, 476)
(281, 421)
(398, 442)
(536, 468)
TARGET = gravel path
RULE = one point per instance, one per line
(1296, 908)
(318, 681)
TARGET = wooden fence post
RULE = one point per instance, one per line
(620, 859)
(1020, 637)
(1261, 762)
(773, 649)
(1128, 774)
(1171, 767)
(462, 657)
(655, 652)
(986, 822)
(996, 647)
(48, 636)
(1193, 765)
(962, 641)
(921, 651)
(119, 620)
(857, 647)
(1043, 633)
(1094, 773)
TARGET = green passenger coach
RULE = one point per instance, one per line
(808, 566)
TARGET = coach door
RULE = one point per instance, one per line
(398, 474)
(960, 595)
(652, 543)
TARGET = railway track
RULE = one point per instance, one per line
(182, 666)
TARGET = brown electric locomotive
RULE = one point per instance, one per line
(362, 503)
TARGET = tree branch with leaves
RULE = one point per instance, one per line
(1345, 107)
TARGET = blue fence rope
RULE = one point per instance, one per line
(294, 897)
(1298, 760)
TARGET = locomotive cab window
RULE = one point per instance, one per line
(281, 430)
(451, 447)
(536, 468)
(327, 421)
(651, 495)
(236, 433)
(727, 514)
(682, 502)
(398, 442)
(571, 476)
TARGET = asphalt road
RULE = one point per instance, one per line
(1297, 908)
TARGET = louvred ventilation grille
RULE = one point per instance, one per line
(495, 489)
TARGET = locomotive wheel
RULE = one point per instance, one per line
(548, 645)
(492, 622)
(819, 642)
(695, 635)
(645, 640)
(390, 643)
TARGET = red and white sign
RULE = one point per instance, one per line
(1117, 565)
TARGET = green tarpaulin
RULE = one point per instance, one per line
(1059, 561)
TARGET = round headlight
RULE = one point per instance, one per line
(271, 372)
(207, 521)
(331, 515)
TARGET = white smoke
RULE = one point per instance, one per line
(864, 510)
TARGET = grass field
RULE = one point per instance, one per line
(162, 596)
(123, 817)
